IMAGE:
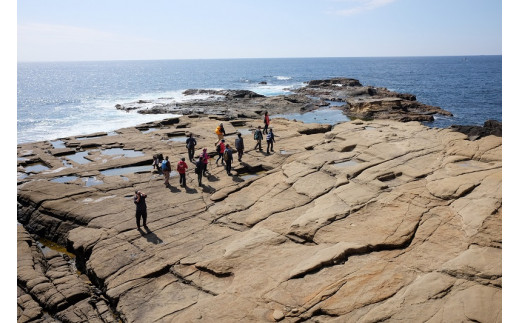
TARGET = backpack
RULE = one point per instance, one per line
(217, 149)
(257, 134)
(190, 143)
(226, 154)
(163, 165)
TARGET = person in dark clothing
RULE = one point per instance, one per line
(190, 144)
(140, 208)
(266, 122)
(199, 169)
(205, 161)
(239, 145)
(258, 137)
(228, 158)
(221, 147)
(270, 140)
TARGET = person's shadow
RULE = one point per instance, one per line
(190, 190)
(150, 236)
(173, 189)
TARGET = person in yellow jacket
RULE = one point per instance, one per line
(220, 133)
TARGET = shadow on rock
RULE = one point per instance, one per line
(173, 189)
(150, 236)
(212, 178)
(190, 190)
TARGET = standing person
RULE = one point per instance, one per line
(220, 150)
(140, 208)
(220, 132)
(228, 157)
(205, 161)
(181, 168)
(258, 137)
(199, 169)
(190, 144)
(239, 145)
(266, 122)
(270, 140)
(166, 169)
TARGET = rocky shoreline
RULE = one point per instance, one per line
(367, 220)
(359, 102)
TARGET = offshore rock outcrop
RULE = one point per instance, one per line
(365, 221)
(361, 102)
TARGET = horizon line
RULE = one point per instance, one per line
(242, 58)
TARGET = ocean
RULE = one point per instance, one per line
(60, 99)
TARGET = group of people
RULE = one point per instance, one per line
(225, 156)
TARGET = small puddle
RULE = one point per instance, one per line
(121, 151)
(20, 175)
(244, 131)
(21, 159)
(471, 164)
(127, 170)
(287, 152)
(248, 176)
(112, 133)
(321, 116)
(64, 179)
(58, 144)
(66, 163)
(149, 130)
(91, 181)
(369, 128)
(178, 139)
(347, 163)
(79, 157)
(36, 168)
(46, 245)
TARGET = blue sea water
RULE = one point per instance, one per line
(73, 98)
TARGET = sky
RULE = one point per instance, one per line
(69, 30)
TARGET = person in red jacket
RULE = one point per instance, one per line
(266, 123)
(181, 169)
(221, 147)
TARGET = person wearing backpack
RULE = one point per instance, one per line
(220, 132)
(228, 158)
(220, 150)
(199, 169)
(190, 144)
(166, 169)
(258, 137)
(181, 169)
(239, 145)
(270, 140)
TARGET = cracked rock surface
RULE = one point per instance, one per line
(361, 222)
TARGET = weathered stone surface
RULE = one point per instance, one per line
(364, 221)
(48, 284)
(361, 102)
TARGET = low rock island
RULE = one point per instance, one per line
(363, 221)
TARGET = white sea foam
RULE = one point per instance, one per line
(283, 78)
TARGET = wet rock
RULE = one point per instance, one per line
(491, 127)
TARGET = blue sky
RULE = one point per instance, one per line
(67, 30)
